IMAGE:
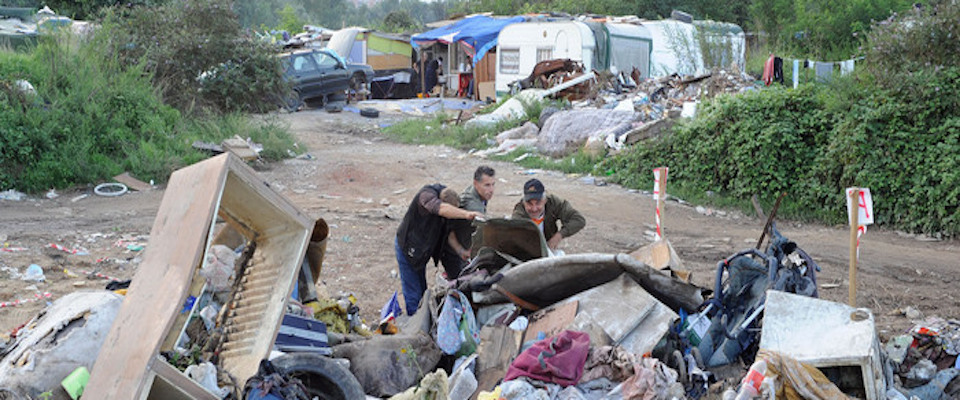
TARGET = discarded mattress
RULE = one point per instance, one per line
(566, 131)
(544, 281)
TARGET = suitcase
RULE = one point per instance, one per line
(299, 334)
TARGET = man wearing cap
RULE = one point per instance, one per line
(420, 236)
(456, 251)
(545, 210)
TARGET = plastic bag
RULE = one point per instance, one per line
(218, 267)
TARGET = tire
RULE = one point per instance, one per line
(110, 189)
(370, 113)
(292, 101)
(323, 377)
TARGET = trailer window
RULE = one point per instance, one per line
(544, 54)
(510, 61)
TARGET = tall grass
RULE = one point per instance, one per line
(91, 120)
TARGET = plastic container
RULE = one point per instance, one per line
(750, 385)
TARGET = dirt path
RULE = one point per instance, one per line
(361, 184)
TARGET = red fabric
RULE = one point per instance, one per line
(558, 359)
(768, 70)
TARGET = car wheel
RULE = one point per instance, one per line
(323, 377)
(292, 101)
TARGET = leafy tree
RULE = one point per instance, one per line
(399, 21)
(290, 20)
(179, 42)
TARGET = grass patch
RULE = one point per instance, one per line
(578, 163)
(441, 130)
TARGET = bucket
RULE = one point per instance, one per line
(317, 247)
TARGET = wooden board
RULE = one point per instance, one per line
(389, 61)
(486, 89)
(498, 346)
(551, 321)
(132, 183)
(181, 233)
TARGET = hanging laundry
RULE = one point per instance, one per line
(768, 70)
(777, 70)
(846, 67)
(824, 71)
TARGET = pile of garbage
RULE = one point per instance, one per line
(609, 112)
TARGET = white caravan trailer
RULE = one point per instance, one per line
(522, 45)
(598, 46)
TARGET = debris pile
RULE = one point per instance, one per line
(653, 105)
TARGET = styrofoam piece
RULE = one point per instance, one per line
(628, 314)
(824, 334)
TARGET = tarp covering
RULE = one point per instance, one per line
(478, 34)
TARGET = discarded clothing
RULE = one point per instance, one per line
(611, 362)
(652, 380)
(558, 359)
(432, 386)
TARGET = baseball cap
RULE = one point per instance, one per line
(533, 189)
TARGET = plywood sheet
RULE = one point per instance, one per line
(221, 186)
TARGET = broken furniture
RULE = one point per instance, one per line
(838, 339)
(150, 320)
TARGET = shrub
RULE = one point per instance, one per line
(91, 121)
(918, 39)
(900, 142)
(181, 41)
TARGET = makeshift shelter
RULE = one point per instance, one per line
(474, 36)
(599, 46)
(676, 48)
(382, 51)
(722, 44)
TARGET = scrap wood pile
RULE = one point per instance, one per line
(643, 107)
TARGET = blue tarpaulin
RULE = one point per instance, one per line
(478, 34)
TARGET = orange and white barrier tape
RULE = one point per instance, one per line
(14, 303)
(657, 188)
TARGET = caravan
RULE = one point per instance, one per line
(521, 46)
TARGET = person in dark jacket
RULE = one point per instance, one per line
(420, 237)
(546, 210)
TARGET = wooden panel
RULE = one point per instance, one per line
(223, 186)
(486, 70)
(498, 346)
(389, 61)
(158, 290)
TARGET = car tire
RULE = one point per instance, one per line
(292, 101)
(323, 377)
(370, 113)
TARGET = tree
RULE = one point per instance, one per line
(399, 21)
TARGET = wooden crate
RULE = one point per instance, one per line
(220, 188)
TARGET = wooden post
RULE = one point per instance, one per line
(423, 84)
(854, 225)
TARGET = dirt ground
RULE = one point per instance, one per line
(361, 183)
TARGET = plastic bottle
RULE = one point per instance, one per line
(750, 385)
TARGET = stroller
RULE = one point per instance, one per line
(735, 310)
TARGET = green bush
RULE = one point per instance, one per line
(919, 39)
(90, 121)
(812, 142)
(179, 42)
